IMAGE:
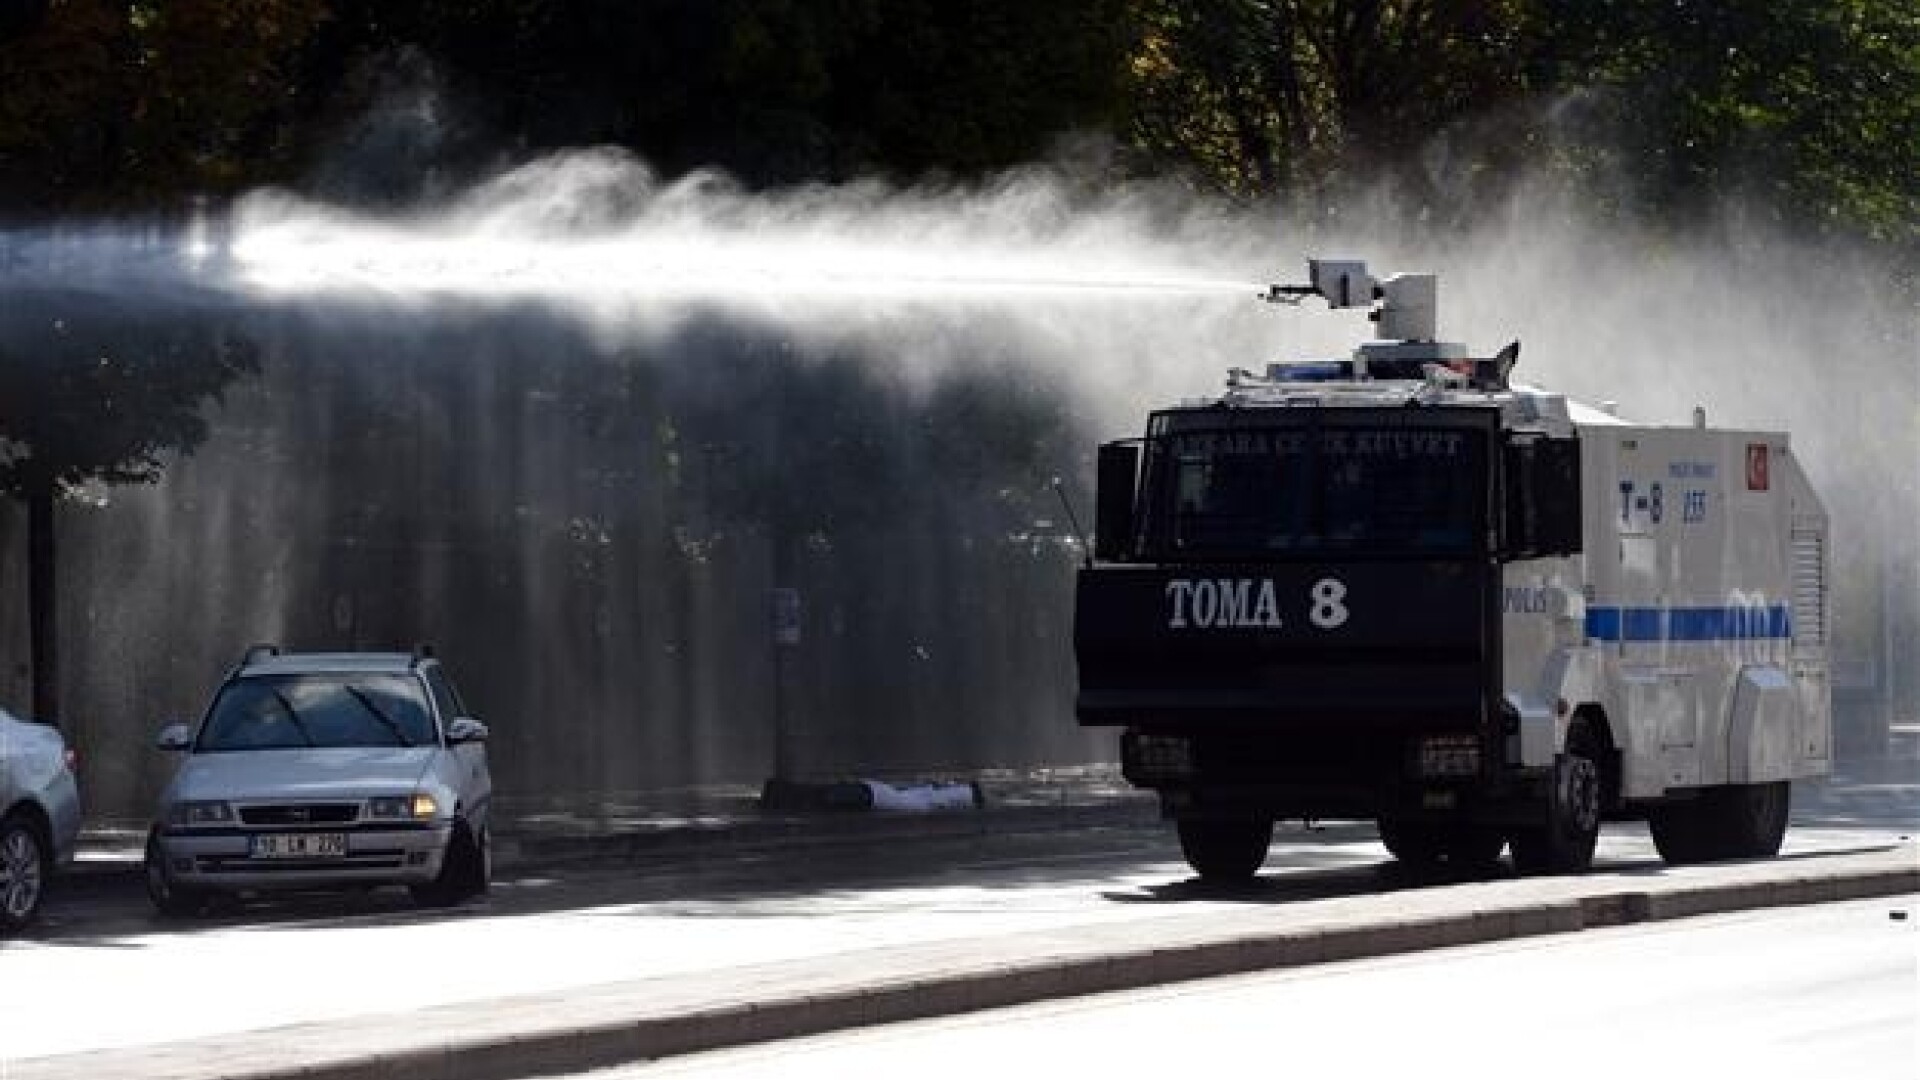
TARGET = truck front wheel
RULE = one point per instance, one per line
(1225, 849)
(1565, 843)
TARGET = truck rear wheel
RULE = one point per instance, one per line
(1564, 845)
(1756, 819)
(1225, 849)
(1739, 821)
(1429, 844)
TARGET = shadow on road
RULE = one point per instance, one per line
(1126, 864)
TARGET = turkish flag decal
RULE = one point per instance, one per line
(1756, 466)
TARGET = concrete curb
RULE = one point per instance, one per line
(582, 1034)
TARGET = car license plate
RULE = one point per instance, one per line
(299, 845)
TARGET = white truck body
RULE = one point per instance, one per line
(1695, 616)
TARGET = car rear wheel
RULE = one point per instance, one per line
(23, 871)
(170, 898)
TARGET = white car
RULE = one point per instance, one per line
(325, 770)
(39, 815)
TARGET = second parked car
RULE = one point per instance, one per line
(322, 770)
(39, 815)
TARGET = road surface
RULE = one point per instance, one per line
(103, 973)
(1831, 992)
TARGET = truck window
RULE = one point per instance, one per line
(1542, 485)
(1253, 492)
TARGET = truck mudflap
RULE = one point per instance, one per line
(1399, 645)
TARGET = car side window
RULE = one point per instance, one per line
(444, 699)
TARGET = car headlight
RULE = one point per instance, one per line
(200, 812)
(416, 807)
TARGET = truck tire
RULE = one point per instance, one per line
(1429, 844)
(1739, 821)
(1564, 844)
(1679, 831)
(1755, 819)
(1225, 849)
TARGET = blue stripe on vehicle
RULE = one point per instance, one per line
(1688, 623)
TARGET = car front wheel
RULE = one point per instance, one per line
(170, 898)
(23, 872)
(464, 872)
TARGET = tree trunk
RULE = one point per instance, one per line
(42, 646)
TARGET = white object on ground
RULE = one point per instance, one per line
(920, 797)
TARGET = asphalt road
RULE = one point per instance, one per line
(102, 973)
(1826, 991)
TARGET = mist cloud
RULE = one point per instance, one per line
(618, 325)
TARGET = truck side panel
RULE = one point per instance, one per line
(1707, 552)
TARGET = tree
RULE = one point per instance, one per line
(1806, 109)
(145, 104)
(94, 390)
(1811, 108)
(1266, 97)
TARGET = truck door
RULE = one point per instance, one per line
(1659, 682)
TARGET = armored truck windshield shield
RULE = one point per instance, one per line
(1266, 484)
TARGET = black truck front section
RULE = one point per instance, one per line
(1310, 689)
(1298, 613)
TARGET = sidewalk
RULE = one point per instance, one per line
(585, 1027)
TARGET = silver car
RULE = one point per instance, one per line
(325, 770)
(39, 815)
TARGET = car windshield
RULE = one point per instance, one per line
(286, 712)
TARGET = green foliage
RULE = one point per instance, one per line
(1257, 97)
(92, 389)
(1809, 108)
(143, 104)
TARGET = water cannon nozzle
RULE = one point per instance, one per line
(1403, 306)
(1288, 294)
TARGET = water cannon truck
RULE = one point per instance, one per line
(1400, 587)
